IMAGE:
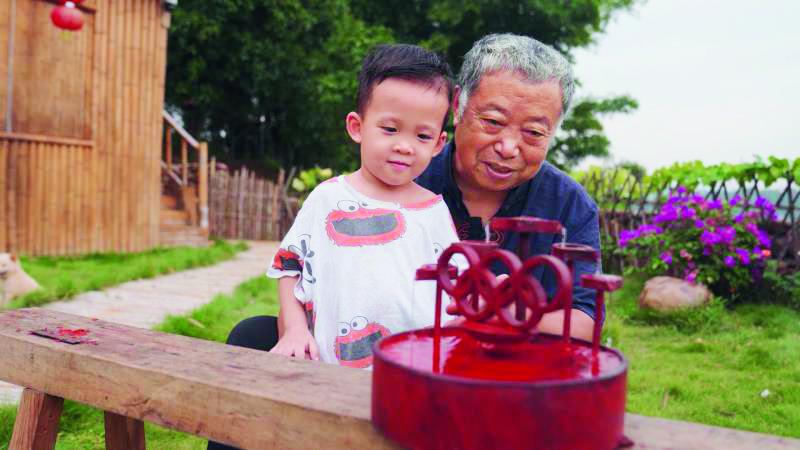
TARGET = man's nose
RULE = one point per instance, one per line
(507, 146)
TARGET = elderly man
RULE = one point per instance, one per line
(513, 92)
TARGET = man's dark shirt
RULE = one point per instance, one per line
(550, 194)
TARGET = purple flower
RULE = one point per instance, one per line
(730, 261)
(736, 199)
(647, 228)
(714, 204)
(688, 213)
(681, 190)
(709, 238)
(728, 234)
(744, 255)
(738, 218)
(752, 228)
(666, 257)
(699, 224)
(760, 202)
(696, 198)
(706, 251)
(692, 276)
(668, 214)
(763, 238)
(627, 235)
(685, 254)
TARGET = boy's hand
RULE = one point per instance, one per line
(298, 343)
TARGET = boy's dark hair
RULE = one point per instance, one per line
(407, 62)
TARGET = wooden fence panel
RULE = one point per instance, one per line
(243, 206)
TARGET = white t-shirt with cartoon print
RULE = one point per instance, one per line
(358, 257)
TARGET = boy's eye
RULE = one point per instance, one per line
(389, 129)
(424, 137)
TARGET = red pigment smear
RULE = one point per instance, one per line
(72, 333)
(540, 359)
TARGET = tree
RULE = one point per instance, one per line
(272, 80)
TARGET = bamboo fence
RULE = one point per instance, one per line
(243, 206)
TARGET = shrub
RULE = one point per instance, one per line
(712, 242)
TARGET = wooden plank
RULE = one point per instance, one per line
(36, 426)
(123, 433)
(245, 397)
(213, 390)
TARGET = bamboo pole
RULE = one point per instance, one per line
(202, 181)
(5, 218)
(12, 169)
(36, 197)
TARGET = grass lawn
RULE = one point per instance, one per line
(709, 366)
(64, 277)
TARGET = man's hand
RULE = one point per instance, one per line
(297, 342)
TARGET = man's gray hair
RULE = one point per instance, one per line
(537, 62)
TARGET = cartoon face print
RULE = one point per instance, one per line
(353, 345)
(305, 253)
(354, 224)
(296, 258)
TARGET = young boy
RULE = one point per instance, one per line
(346, 267)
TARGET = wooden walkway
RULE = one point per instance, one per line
(146, 303)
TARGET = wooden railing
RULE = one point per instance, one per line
(187, 174)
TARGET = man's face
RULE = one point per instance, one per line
(502, 136)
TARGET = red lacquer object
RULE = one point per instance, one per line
(493, 381)
(67, 16)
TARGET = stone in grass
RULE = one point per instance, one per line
(670, 294)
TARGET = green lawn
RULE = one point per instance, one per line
(708, 366)
(64, 277)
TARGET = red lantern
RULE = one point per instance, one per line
(67, 16)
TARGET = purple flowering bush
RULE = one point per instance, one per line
(713, 242)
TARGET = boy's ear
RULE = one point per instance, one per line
(440, 143)
(456, 100)
(13, 257)
(353, 125)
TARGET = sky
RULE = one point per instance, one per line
(716, 80)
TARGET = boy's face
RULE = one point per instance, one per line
(400, 130)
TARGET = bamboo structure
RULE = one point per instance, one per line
(246, 207)
(81, 118)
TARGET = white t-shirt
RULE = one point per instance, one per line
(358, 257)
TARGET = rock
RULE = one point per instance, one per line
(669, 294)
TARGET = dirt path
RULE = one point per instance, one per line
(146, 303)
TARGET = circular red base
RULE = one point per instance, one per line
(539, 394)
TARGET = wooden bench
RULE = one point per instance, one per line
(243, 397)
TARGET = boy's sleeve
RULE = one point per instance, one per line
(295, 247)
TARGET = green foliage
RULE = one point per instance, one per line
(63, 277)
(715, 243)
(308, 179)
(272, 80)
(582, 133)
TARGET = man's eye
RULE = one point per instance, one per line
(534, 133)
(492, 122)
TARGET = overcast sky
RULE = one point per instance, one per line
(716, 80)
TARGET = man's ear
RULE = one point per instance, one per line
(353, 125)
(440, 143)
(456, 101)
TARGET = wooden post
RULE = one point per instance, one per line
(123, 433)
(202, 186)
(36, 426)
(168, 157)
(185, 162)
